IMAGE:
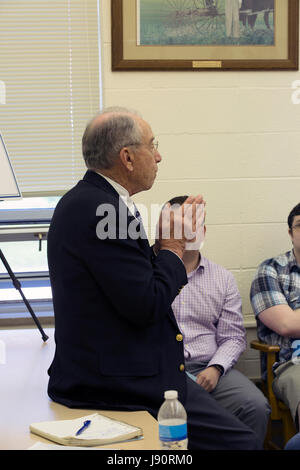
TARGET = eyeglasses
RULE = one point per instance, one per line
(153, 147)
(296, 227)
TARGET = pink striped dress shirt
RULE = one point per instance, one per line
(208, 311)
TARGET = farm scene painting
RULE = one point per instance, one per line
(206, 22)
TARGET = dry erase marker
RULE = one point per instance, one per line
(85, 425)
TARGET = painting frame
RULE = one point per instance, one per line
(121, 63)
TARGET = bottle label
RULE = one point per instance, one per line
(172, 433)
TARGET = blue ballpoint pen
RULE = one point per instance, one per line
(85, 425)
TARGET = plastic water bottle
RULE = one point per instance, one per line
(172, 423)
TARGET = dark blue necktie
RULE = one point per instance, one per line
(137, 215)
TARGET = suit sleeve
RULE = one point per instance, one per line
(138, 288)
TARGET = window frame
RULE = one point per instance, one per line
(26, 227)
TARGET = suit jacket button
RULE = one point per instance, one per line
(179, 337)
(181, 367)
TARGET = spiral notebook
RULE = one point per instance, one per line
(101, 430)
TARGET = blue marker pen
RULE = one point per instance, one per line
(83, 427)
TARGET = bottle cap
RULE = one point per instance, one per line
(171, 394)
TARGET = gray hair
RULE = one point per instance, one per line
(101, 143)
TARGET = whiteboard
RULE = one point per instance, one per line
(8, 184)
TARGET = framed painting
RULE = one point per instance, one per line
(205, 34)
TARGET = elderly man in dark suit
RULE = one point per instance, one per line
(118, 345)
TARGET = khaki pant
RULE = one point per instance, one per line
(286, 386)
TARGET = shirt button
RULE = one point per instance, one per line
(181, 367)
(179, 337)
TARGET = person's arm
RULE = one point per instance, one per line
(230, 337)
(270, 304)
(230, 333)
(282, 319)
(136, 288)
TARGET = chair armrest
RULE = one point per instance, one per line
(263, 347)
(271, 351)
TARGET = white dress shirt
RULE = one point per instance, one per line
(123, 193)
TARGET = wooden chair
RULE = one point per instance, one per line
(279, 411)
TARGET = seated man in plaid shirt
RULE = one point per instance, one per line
(275, 298)
(208, 311)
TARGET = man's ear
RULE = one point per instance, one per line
(127, 158)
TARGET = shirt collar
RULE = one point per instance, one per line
(292, 262)
(123, 193)
(200, 266)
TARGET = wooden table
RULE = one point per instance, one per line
(24, 399)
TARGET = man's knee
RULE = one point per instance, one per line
(257, 405)
(260, 403)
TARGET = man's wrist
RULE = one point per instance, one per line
(174, 252)
(175, 248)
(218, 367)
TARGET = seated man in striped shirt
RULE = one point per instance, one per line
(208, 311)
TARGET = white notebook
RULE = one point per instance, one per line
(43, 446)
(101, 430)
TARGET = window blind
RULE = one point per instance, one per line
(49, 62)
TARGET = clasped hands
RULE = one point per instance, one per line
(181, 228)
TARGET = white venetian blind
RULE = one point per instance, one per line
(49, 61)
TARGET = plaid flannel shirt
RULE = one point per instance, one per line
(276, 282)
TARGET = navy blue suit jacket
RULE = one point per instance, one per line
(115, 332)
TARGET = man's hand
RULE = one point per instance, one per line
(208, 378)
(178, 226)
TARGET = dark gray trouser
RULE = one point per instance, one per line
(241, 398)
